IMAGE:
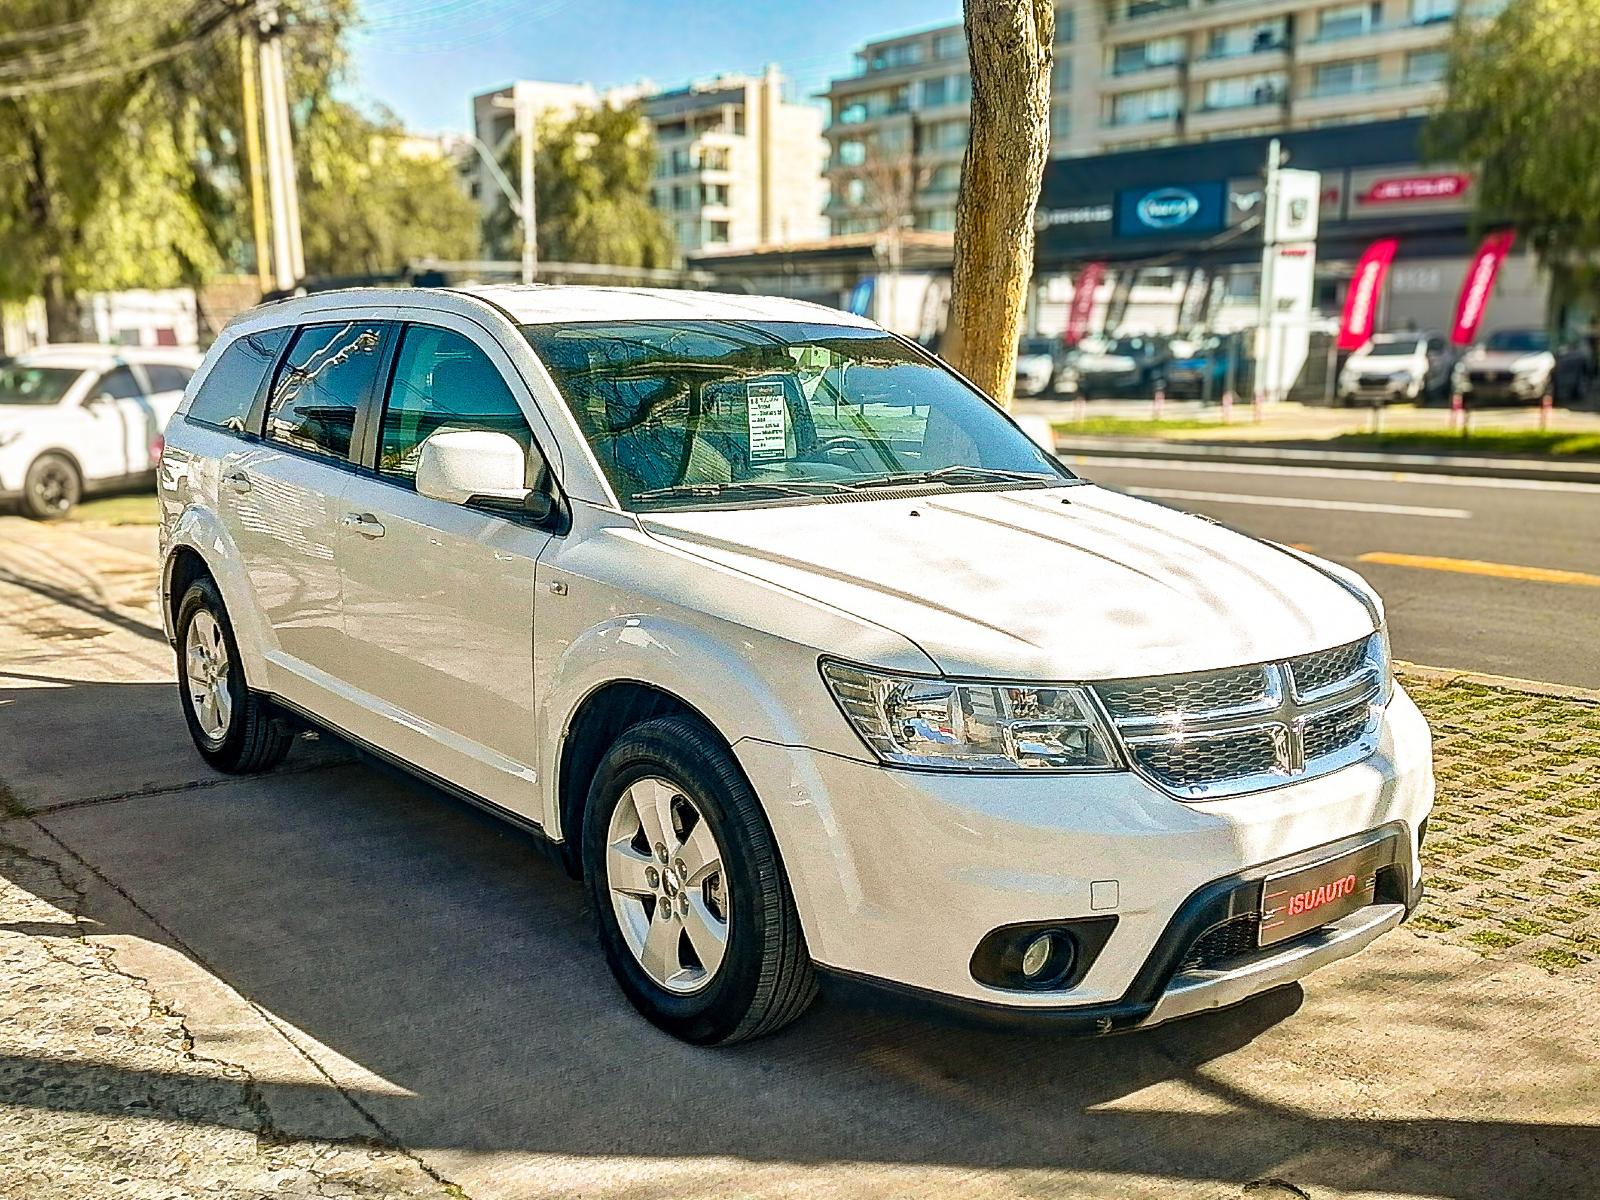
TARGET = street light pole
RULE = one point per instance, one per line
(530, 241)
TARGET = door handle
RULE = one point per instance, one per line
(238, 481)
(367, 525)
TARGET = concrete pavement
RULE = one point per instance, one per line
(387, 969)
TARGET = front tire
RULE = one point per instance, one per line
(52, 487)
(234, 729)
(695, 914)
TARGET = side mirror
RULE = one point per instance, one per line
(462, 465)
(100, 400)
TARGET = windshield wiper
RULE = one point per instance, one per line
(748, 487)
(955, 474)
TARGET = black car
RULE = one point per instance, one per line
(1125, 366)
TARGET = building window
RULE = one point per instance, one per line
(1060, 122)
(1426, 66)
(949, 45)
(851, 153)
(1345, 78)
(946, 177)
(901, 54)
(1149, 8)
(1245, 91)
(855, 192)
(1061, 76)
(1426, 12)
(944, 135)
(933, 92)
(717, 233)
(713, 158)
(682, 164)
(1349, 20)
(1066, 25)
(1258, 37)
(937, 219)
(714, 193)
(1145, 56)
(1137, 108)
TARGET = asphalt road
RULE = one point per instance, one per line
(1498, 576)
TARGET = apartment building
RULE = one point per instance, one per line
(737, 165)
(1131, 74)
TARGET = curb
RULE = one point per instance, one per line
(1282, 456)
(1444, 676)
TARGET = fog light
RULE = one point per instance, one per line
(1037, 956)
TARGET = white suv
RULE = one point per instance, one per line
(77, 419)
(804, 658)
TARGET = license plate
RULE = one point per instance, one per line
(1296, 901)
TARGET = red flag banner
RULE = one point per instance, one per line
(1475, 289)
(1083, 302)
(1361, 305)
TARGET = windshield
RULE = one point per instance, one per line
(21, 384)
(1131, 347)
(1037, 345)
(710, 413)
(1393, 349)
(1519, 341)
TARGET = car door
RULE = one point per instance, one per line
(282, 494)
(115, 421)
(438, 597)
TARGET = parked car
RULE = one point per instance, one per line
(80, 419)
(795, 648)
(1203, 370)
(1515, 365)
(1126, 366)
(1395, 367)
(1039, 361)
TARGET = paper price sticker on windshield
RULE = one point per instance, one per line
(769, 418)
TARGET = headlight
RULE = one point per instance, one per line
(1380, 648)
(912, 721)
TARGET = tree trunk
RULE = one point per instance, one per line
(63, 316)
(1010, 45)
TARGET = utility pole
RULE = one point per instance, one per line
(288, 253)
(252, 148)
(530, 242)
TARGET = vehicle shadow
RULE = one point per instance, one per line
(440, 951)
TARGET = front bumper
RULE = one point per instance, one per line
(899, 875)
(1502, 386)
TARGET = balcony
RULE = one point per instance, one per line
(1365, 99)
(1165, 75)
(1394, 37)
(1257, 58)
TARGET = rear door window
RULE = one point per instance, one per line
(230, 389)
(321, 385)
(119, 384)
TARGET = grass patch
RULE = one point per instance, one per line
(139, 509)
(1431, 924)
(1493, 939)
(1487, 441)
(1557, 959)
(1100, 426)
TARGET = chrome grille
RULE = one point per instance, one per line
(1222, 733)
(1314, 672)
(1176, 694)
(1188, 762)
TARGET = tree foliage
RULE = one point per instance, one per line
(592, 193)
(1523, 108)
(372, 201)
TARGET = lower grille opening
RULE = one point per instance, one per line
(1218, 947)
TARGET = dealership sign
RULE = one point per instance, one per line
(1361, 305)
(1407, 188)
(1173, 208)
(1478, 284)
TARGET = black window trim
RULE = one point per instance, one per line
(375, 405)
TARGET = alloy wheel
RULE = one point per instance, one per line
(206, 668)
(52, 489)
(665, 877)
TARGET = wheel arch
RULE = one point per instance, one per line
(605, 713)
(197, 545)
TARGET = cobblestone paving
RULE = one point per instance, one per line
(1513, 850)
(101, 1094)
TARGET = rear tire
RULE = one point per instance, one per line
(235, 730)
(52, 487)
(674, 773)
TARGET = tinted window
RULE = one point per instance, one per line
(1393, 349)
(235, 379)
(442, 381)
(165, 378)
(681, 414)
(22, 384)
(1519, 341)
(119, 384)
(320, 387)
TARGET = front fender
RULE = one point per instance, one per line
(199, 530)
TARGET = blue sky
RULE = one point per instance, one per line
(426, 58)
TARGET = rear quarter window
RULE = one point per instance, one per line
(230, 389)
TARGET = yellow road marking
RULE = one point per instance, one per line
(1472, 566)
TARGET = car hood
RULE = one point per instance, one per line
(1034, 362)
(1054, 583)
(1510, 360)
(1383, 364)
(14, 415)
(1106, 362)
